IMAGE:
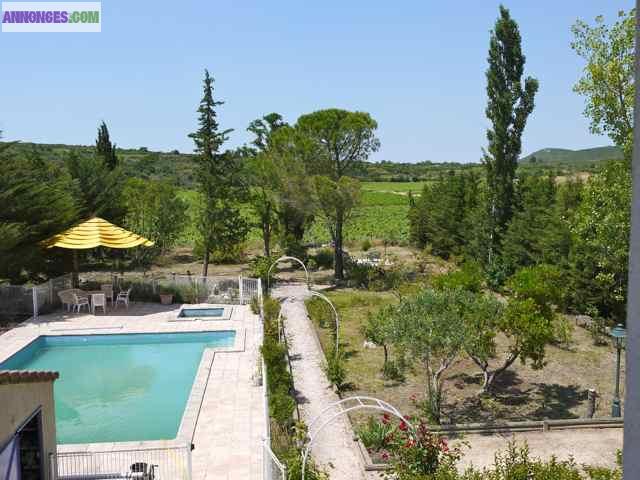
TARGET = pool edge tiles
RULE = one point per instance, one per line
(187, 417)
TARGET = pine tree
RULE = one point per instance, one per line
(533, 230)
(439, 217)
(220, 223)
(37, 202)
(105, 150)
(508, 107)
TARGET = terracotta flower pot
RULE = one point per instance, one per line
(166, 298)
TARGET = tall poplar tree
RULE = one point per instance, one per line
(220, 223)
(510, 102)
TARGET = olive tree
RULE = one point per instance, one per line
(430, 329)
(526, 322)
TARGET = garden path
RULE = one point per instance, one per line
(591, 446)
(334, 450)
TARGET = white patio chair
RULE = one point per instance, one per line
(123, 298)
(67, 299)
(98, 300)
(107, 288)
(80, 301)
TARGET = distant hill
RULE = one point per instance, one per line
(564, 157)
(180, 167)
(139, 162)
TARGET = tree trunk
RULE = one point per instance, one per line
(338, 266)
(386, 353)
(205, 262)
(489, 376)
(266, 238)
(75, 278)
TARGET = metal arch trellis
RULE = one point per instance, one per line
(335, 313)
(343, 407)
(285, 257)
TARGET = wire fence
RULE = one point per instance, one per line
(170, 463)
(18, 302)
(23, 301)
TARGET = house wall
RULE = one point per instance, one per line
(17, 402)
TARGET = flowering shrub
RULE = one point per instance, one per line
(419, 454)
(375, 434)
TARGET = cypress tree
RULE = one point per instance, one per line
(105, 149)
(220, 223)
(509, 105)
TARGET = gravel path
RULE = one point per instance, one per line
(592, 446)
(334, 450)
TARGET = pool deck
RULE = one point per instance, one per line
(224, 417)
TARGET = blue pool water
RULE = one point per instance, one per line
(201, 312)
(116, 388)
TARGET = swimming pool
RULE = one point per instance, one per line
(204, 312)
(215, 312)
(122, 387)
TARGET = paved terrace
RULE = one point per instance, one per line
(224, 417)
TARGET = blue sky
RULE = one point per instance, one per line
(417, 67)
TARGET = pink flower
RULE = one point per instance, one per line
(403, 426)
(385, 456)
(386, 418)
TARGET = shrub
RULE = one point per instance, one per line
(279, 380)
(375, 434)
(140, 291)
(335, 370)
(496, 274)
(469, 277)
(260, 269)
(312, 265)
(324, 258)
(542, 283)
(598, 330)
(281, 407)
(294, 247)
(255, 305)
(515, 463)
(233, 254)
(365, 245)
(271, 309)
(186, 294)
(562, 331)
(420, 454)
(361, 275)
(320, 311)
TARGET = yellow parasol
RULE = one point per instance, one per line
(95, 232)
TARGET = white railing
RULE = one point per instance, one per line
(171, 463)
(250, 288)
(273, 468)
